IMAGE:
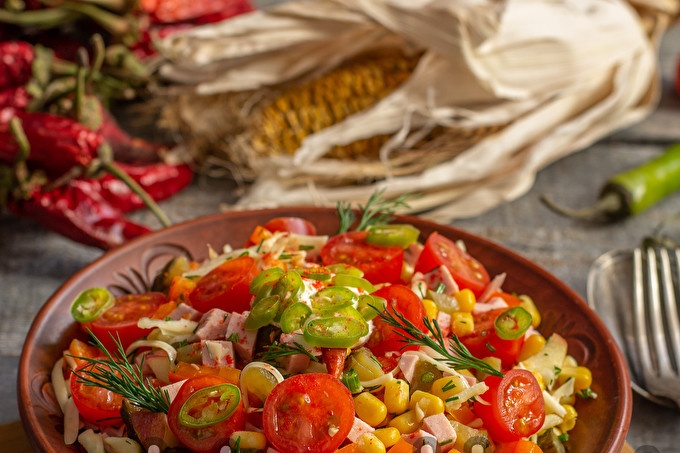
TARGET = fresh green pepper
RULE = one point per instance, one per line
(342, 268)
(267, 277)
(335, 331)
(369, 306)
(293, 317)
(512, 323)
(633, 191)
(210, 405)
(353, 282)
(392, 235)
(91, 303)
(332, 298)
(263, 312)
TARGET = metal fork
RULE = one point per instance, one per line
(656, 320)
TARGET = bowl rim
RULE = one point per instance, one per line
(39, 440)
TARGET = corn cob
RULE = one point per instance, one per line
(280, 125)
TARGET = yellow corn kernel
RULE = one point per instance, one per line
(539, 378)
(462, 323)
(428, 403)
(532, 344)
(431, 310)
(248, 440)
(582, 376)
(388, 435)
(447, 388)
(466, 300)
(529, 305)
(569, 420)
(369, 408)
(369, 443)
(396, 396)
(406, 423)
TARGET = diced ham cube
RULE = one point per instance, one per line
(412, 253)
(243, 339)
(440, 427)
(492, 304)
(444, 321)
(407, 365)
(185, 311)
(292, 338)
(173, 389)
(359, 427)
(218, 353)
(296, 363)
(213, 325)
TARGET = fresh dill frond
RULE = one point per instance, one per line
(460, 359)
(277, 350)
(377, 211)
(120, 376)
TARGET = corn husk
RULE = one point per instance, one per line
(500, 90)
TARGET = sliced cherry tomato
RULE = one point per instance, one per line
(466, 270)
(515, 406)
(96, 405)
(485, 342)
(120, 320)
(211, 437)
(402, 299)
(379, 264)
(185, 371)
(226, 287)
(308, 413)
(295, 225)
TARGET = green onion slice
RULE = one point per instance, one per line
(91, 303)
(210, 405)
(393, 235)
(512, 323)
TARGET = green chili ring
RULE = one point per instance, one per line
(91, 303)
(213, 404)
(512, 323)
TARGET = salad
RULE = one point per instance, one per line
(374, 339)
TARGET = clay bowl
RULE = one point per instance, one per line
(603, 422)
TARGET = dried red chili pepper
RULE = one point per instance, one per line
(17, 97)
(171, 11)
(125, 147)
(79, 212)
(16, 63)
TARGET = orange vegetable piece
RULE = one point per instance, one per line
(180, 289)
(401, 447)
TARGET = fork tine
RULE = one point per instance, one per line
(640, 317)
(654, 308)
(670, 306)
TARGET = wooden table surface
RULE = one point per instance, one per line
(34, 262)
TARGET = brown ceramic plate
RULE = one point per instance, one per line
(603, 423)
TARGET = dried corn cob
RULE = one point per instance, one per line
(280, 125)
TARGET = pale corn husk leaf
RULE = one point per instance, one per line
(503, 89)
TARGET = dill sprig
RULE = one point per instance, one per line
(377, 211)
(277, 350)
(460, 359)
(120, 376)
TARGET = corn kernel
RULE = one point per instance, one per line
(396, 396)
(529, 305)
(369, 443)
(428, 403)
(369, 408)
(248, 439)
(462, 323)
(466, 300)
(582, 376)
(569, 420)
(388, 435)
(431, 310)
(532, 344)
(447, 388)
(539, 378)
(406, 423)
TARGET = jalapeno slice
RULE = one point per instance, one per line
(210, 405)
(293, 317)
(333, 298)
(512, 323)
(268, 276)
(91, 303)
(393, 235)
(343, 268)
(263, 312)
(353, 281)
(369, 306)
(289, 287)
(335, 331)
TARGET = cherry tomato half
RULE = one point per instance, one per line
(226, 287)
(206, 439)
(402, 299)
(120, 320)
(296, 225)
(515, 406)
(485, 342)
(96, 405)
(308, 413)
(466, 270)
(379, 264)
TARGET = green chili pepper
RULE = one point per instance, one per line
(335, 331)
(332, 298)
(392, 235)
(91, 303)
(266, 277)
(633, 191)
(293, 317)
(369, 306)
(289, 287)
(353, 282)
(512, 323)
(210, 405)
(263, 312)
(342, 268)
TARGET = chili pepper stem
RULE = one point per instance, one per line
(610, 204)
(106, 163)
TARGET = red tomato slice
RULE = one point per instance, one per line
(385, 337)
(516, 408)
(96, 405)
(226, 287)
(121, 319)
(208, 439)
(485, 342)
(379, 264)
(296, 225)
(466, 270)
(308, 413)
